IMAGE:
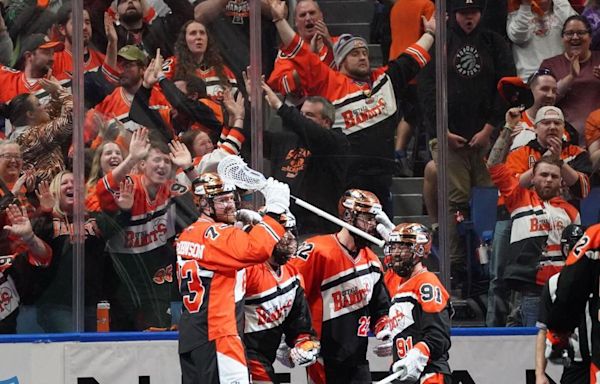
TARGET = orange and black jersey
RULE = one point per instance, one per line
(420, 318)
(347, 295)
(152, 221)
(214, 85)
(15, 82)
(114, 106)
(366, 111)
(143, 251)
(522, 159)
(522, 162)
(93, 61)
(283, 79)
(535, 251)
(17, 278)
(577, 281)
(211, 262)
(581, 335)
(153, 108)
(275, 304)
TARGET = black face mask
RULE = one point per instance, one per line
(404, 268)
(285, 249)
(280, 257)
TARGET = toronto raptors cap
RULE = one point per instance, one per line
(549, 112)
(458, 5)
(345, 44)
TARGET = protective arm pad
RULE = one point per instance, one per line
(382, 329)
(559, 349)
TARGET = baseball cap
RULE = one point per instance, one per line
(345, 44)
(549, 112)
(458, 5)
(38, 40)
(132, 53)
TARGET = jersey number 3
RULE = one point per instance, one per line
(193, 299)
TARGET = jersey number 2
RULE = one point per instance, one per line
(363, 326)
(193, 299)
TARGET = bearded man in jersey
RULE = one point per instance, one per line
(212, 255)
(538, 214)
(344, 286)
(275, 305)
(35, 59)
(420, 311)
(365, 100)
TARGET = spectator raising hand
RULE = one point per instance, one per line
(235, 107)
(45, 197)
(271, 97)
(180, 155)
(139, 145)
(322, 36)
(248, 82)
(20, 224)
(125, 198)
(154, 71)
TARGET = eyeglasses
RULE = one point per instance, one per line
(570, 34)
(538, 73)
(126, 64)
(11, 156)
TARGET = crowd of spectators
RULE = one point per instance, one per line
(166, 98)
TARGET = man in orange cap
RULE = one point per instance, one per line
(35, 59)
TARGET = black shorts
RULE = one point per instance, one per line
(219, 361)
(576, 373)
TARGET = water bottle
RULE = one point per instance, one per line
(103, 317)
(483, 253)
(484, 249)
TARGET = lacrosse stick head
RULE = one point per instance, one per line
(233, 169)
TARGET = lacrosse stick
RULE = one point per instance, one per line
(392, 377)
(234, 170)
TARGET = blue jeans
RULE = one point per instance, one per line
(498, 293)
(530, 304)
(59, 318)
(27, 321)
